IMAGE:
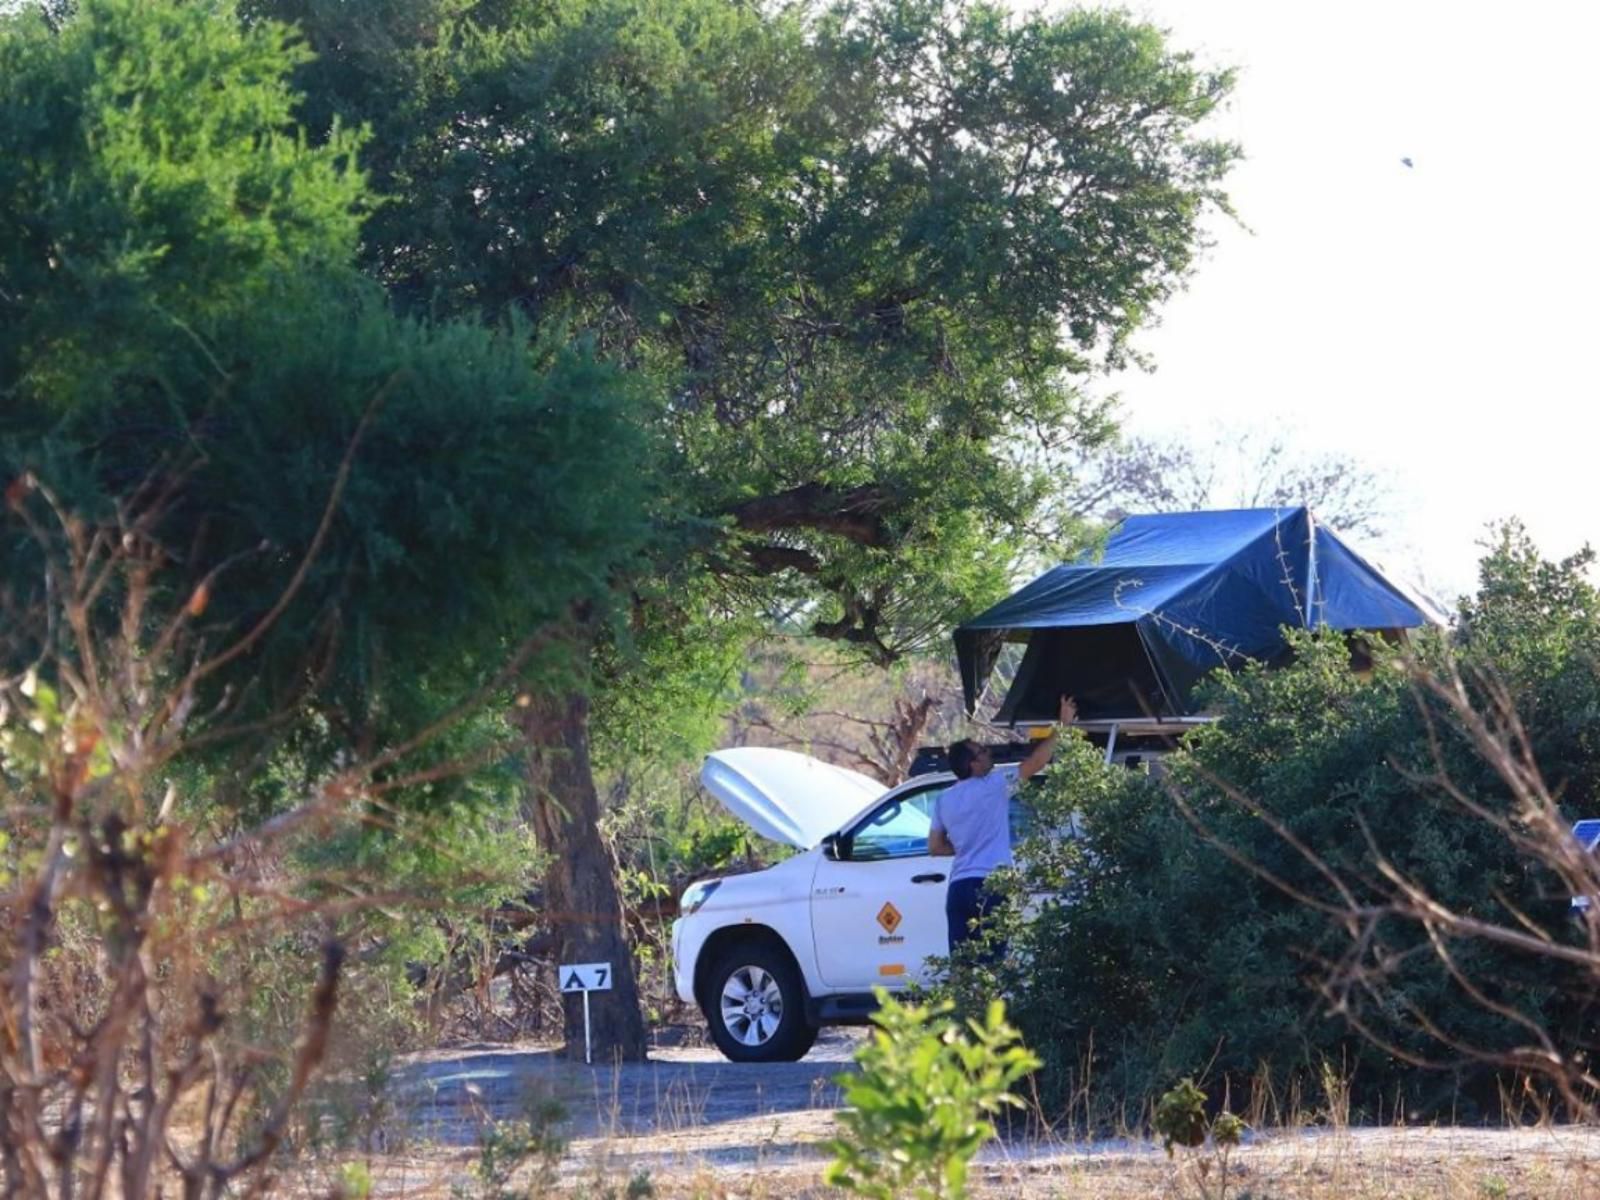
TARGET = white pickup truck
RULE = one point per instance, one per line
(772, 955)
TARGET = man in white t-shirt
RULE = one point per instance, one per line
(972, 821)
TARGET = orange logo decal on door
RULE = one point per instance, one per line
(889, 917)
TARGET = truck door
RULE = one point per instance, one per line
(877, 912)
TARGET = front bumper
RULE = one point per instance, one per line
(682, 968)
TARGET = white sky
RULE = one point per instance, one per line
(1433, 320)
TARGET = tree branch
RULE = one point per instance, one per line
(768, 559)
(855, 514)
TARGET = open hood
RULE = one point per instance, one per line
(785, 796)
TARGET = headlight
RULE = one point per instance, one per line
(697, 894)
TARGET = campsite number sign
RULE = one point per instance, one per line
(585, 978)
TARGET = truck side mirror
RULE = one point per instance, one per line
(836, 846)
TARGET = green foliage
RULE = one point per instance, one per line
(920, 1106)
(1228, 1129)
(355, 1181)
(385, 506)
(493, 488)
(1163, 956)
(1180, 1116)
(483, 481)
(1180, 1120)
(1536, 622)
(505, 1147)
(667, 681)
(865, 246)
(150, 173)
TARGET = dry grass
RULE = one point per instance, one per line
(690, 1147)
(1420, 1164)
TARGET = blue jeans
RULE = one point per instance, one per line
(967, 906)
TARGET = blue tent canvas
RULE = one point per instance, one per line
(1128, 634)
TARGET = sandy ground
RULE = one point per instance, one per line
(704, 1127)
(684, 1101)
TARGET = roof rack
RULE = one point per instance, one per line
(1115, 737)
(1166, 726)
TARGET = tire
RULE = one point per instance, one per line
(755, 1003)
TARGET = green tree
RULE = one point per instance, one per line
(188, 315)
(151, 174)
(376, 510)
(867, 248)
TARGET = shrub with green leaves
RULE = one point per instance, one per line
(922, 1103)
(533, 1144)
(1180, 1120)
(1163, 955)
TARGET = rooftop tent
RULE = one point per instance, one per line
(1129, 634)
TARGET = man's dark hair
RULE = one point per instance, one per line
(961, 755)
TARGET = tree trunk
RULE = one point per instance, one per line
(580, 889)
(899, 741)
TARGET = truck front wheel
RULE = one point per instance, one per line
(755, 1002)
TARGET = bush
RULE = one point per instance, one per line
(1180, 1120)
(921, 1105)
(1165, 956)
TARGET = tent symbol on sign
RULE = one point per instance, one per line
(584, 977)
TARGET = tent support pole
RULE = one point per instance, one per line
(1111, 743)
(1168, 692)
(1311, 570)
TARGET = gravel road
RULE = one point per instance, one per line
(685, 1101)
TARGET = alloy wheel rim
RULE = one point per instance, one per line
(752, 1005)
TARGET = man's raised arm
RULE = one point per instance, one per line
(1035, 762)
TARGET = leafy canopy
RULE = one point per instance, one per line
(191, 328)
(151, 173)
(865, 247)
